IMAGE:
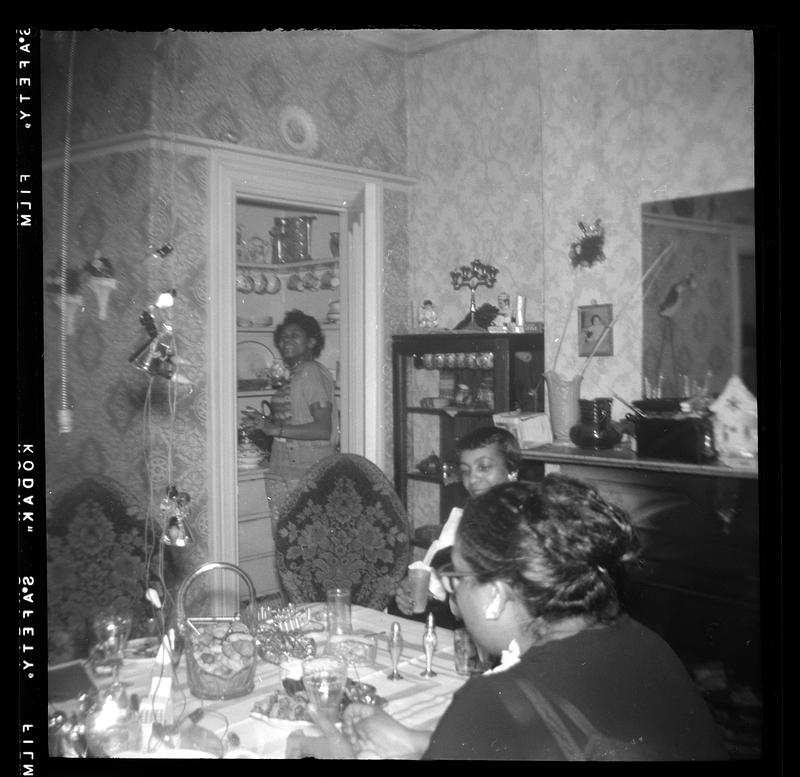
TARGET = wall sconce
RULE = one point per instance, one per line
(102, 288)
(70, 302)
(101, 281)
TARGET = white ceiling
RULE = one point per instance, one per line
(412, 41)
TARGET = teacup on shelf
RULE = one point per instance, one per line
(244, 282)
(310, 281)
(273, 283)
(295, 283)
(257, 249)
(260, 283)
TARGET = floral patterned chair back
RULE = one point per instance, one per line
(95, 559)
(343, 525)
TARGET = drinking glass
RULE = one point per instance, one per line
(324, 680)
(111, 630)
(338, 611)
(466, 654)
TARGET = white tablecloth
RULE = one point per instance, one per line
(414, 700)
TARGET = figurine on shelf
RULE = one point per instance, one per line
(503, 317)
(428, 317)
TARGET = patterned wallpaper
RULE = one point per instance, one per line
(233, 85)
(220, 86)
(515, 136)
(631, 117)
(474, 145)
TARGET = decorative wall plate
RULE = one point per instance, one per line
(298, 129)
(252, 358)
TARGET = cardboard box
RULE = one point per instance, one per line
(532, 430)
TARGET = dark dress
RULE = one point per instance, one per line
(623, 677)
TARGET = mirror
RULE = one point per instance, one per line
(699, 300)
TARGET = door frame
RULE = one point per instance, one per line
(235, 173)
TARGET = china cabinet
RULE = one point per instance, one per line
(445, 384)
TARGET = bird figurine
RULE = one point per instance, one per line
(676, 296)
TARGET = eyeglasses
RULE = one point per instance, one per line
(451, 579)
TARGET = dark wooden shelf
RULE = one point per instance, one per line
(516, 381)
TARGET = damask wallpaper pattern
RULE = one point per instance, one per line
(127, 430)
(515, 136)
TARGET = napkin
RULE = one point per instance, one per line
(445, 540)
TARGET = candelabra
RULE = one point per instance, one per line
(473, 275)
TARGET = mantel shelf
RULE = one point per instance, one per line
(622, 457)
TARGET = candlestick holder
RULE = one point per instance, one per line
(473, 275)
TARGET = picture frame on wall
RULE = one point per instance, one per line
(594, 325)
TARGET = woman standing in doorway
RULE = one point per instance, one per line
(304, 420)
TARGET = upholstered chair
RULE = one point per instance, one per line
(342, 525)
(96, 558)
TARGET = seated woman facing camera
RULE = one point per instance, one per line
(533, 577)
(487, 456)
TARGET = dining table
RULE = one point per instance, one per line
(415, 700)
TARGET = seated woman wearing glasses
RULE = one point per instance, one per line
(533, 571)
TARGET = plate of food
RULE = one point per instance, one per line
(252, 359)
(357, 650)
(282, 710)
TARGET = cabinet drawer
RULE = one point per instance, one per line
(255, 537)
(262, 572)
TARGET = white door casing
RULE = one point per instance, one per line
(358, 198)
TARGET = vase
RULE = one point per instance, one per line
(594, 430)
(562, 397)
(333, 244)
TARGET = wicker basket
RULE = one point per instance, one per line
(220, 651)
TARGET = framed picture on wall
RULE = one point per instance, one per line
(593, 328)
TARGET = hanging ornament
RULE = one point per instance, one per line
(587, 250)
(155, 357)
(174, 513)
(101, 281)
(166, 299)
(65, 296)
(159, 252)
(158, 356)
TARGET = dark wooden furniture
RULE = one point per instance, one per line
(516, 381)
(699, 582)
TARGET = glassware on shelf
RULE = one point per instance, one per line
(594, 430)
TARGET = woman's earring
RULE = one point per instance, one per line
(492, 612)
(512, 476)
